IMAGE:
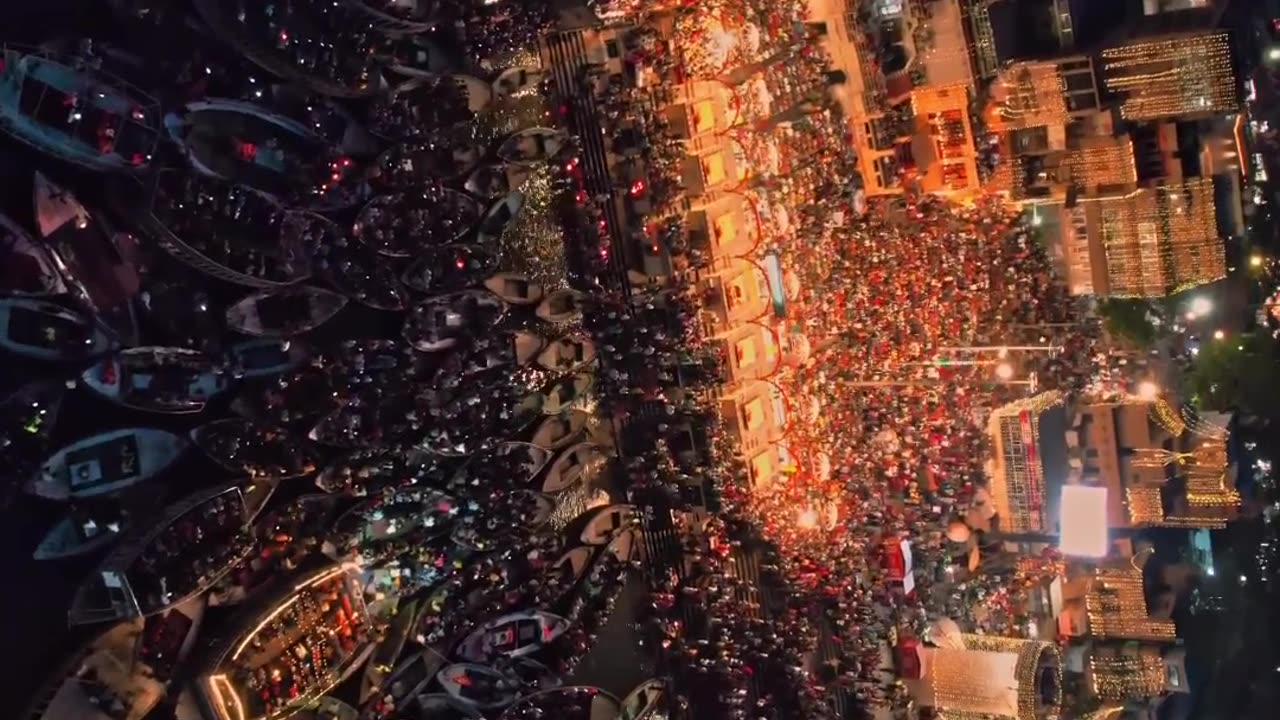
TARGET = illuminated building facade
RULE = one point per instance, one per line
(1155, 241)
(1116, 607)
(990, 677)
(1183, 76)
(1030, 462)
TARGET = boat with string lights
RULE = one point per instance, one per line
(314, 632)
(70, 108)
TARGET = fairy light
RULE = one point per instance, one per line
(1188, 74)
(1145, 506)
(1116, 606)
(974, 681)
(1163, 414)
(1162, 240)
(1127, 677)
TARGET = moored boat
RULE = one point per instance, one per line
(266, 356)
(518, 81)
(573, 393)
(254, 449)
(507, 464)
(517, 512)
(47, 331)
(512, 635)
(515, 288)
(558, 431)
(536, 144)
(450, 268)
(442, 706)
(368, 529)
(579, 702)
(399, 16)
(370, 472)
(493, 181)
(417, 163)
(82, 531)
(573, 465)
(442, 322)
(106, 463)
(560, 306)
(404, 224)
(158, 379)
(326, 708)
(69, 108)
(358, 272)
(648, 701)
(500, 216)
(382, 672)
(606, 522)
(293, 648)
(479, 685)
(26, 266)
(284, 313)
(567, 353)
(192, 544)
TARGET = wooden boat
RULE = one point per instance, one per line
(106, 463)
(265, 357)
(607, 521)
(314, 632)
(382, 223)
(46, 331)
(371, 472)
(71, 109)
(532, 145)
(442, 322)
(568, 353)
(557, 431)
(579, 702)
(26, 266)
(572, 466)
(367, 528)
(479, 93)
(442, 706)
(496, 180)
(56, 207)
(357, 271)
(124, 672)
(158, 565)
(568, 394)
(82, 532)
(257, 493)
(414, 164)
(477, 685)
(515, 288)
(514, 350)
(227, 231)
(416, 56)
(381, 670)
(648, 701)
(284, 313)
(256, 450)
(517, 81)
(512, 635)
(450, 268)
(158, 379)
(500, 216)
(468, 535)
(564, 305)
(507, 464)
(326, 708)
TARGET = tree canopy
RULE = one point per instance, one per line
(1128, 320)
(1236, 373)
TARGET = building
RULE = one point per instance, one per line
(990, 677)
(1182, 76)
(1029, 439)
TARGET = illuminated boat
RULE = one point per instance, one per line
(606, 522)
(192, 544)
(367, 530)
(291, 649)
(251, 145)
(572, 465)
(254, 449)
(500, 216)
(568, 353)
(414, 164)
(513, 635)
(158, 379)
(518, 80)
(536, 144)
(374, 471)
(519, 511)
(285, 312)
(441, 322)
(648, 701)
(561, 306)
(479, 685)
(450, 268)
(579, 702)
(404, 224)
(47, 331)
(515, 288)
(494, 181)
(123, 673)
(558, 431)
(70, 109)
(509, 464)
(106, 463)
(26, 266)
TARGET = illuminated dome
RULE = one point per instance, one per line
(958, 532)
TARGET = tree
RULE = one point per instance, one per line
(1236, 373)
(1129, 320)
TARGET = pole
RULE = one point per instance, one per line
(1000, 348)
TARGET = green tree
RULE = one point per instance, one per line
(1239, 372)
(1129, 320)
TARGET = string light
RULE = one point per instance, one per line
(1116, 606)
(1180, 75)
